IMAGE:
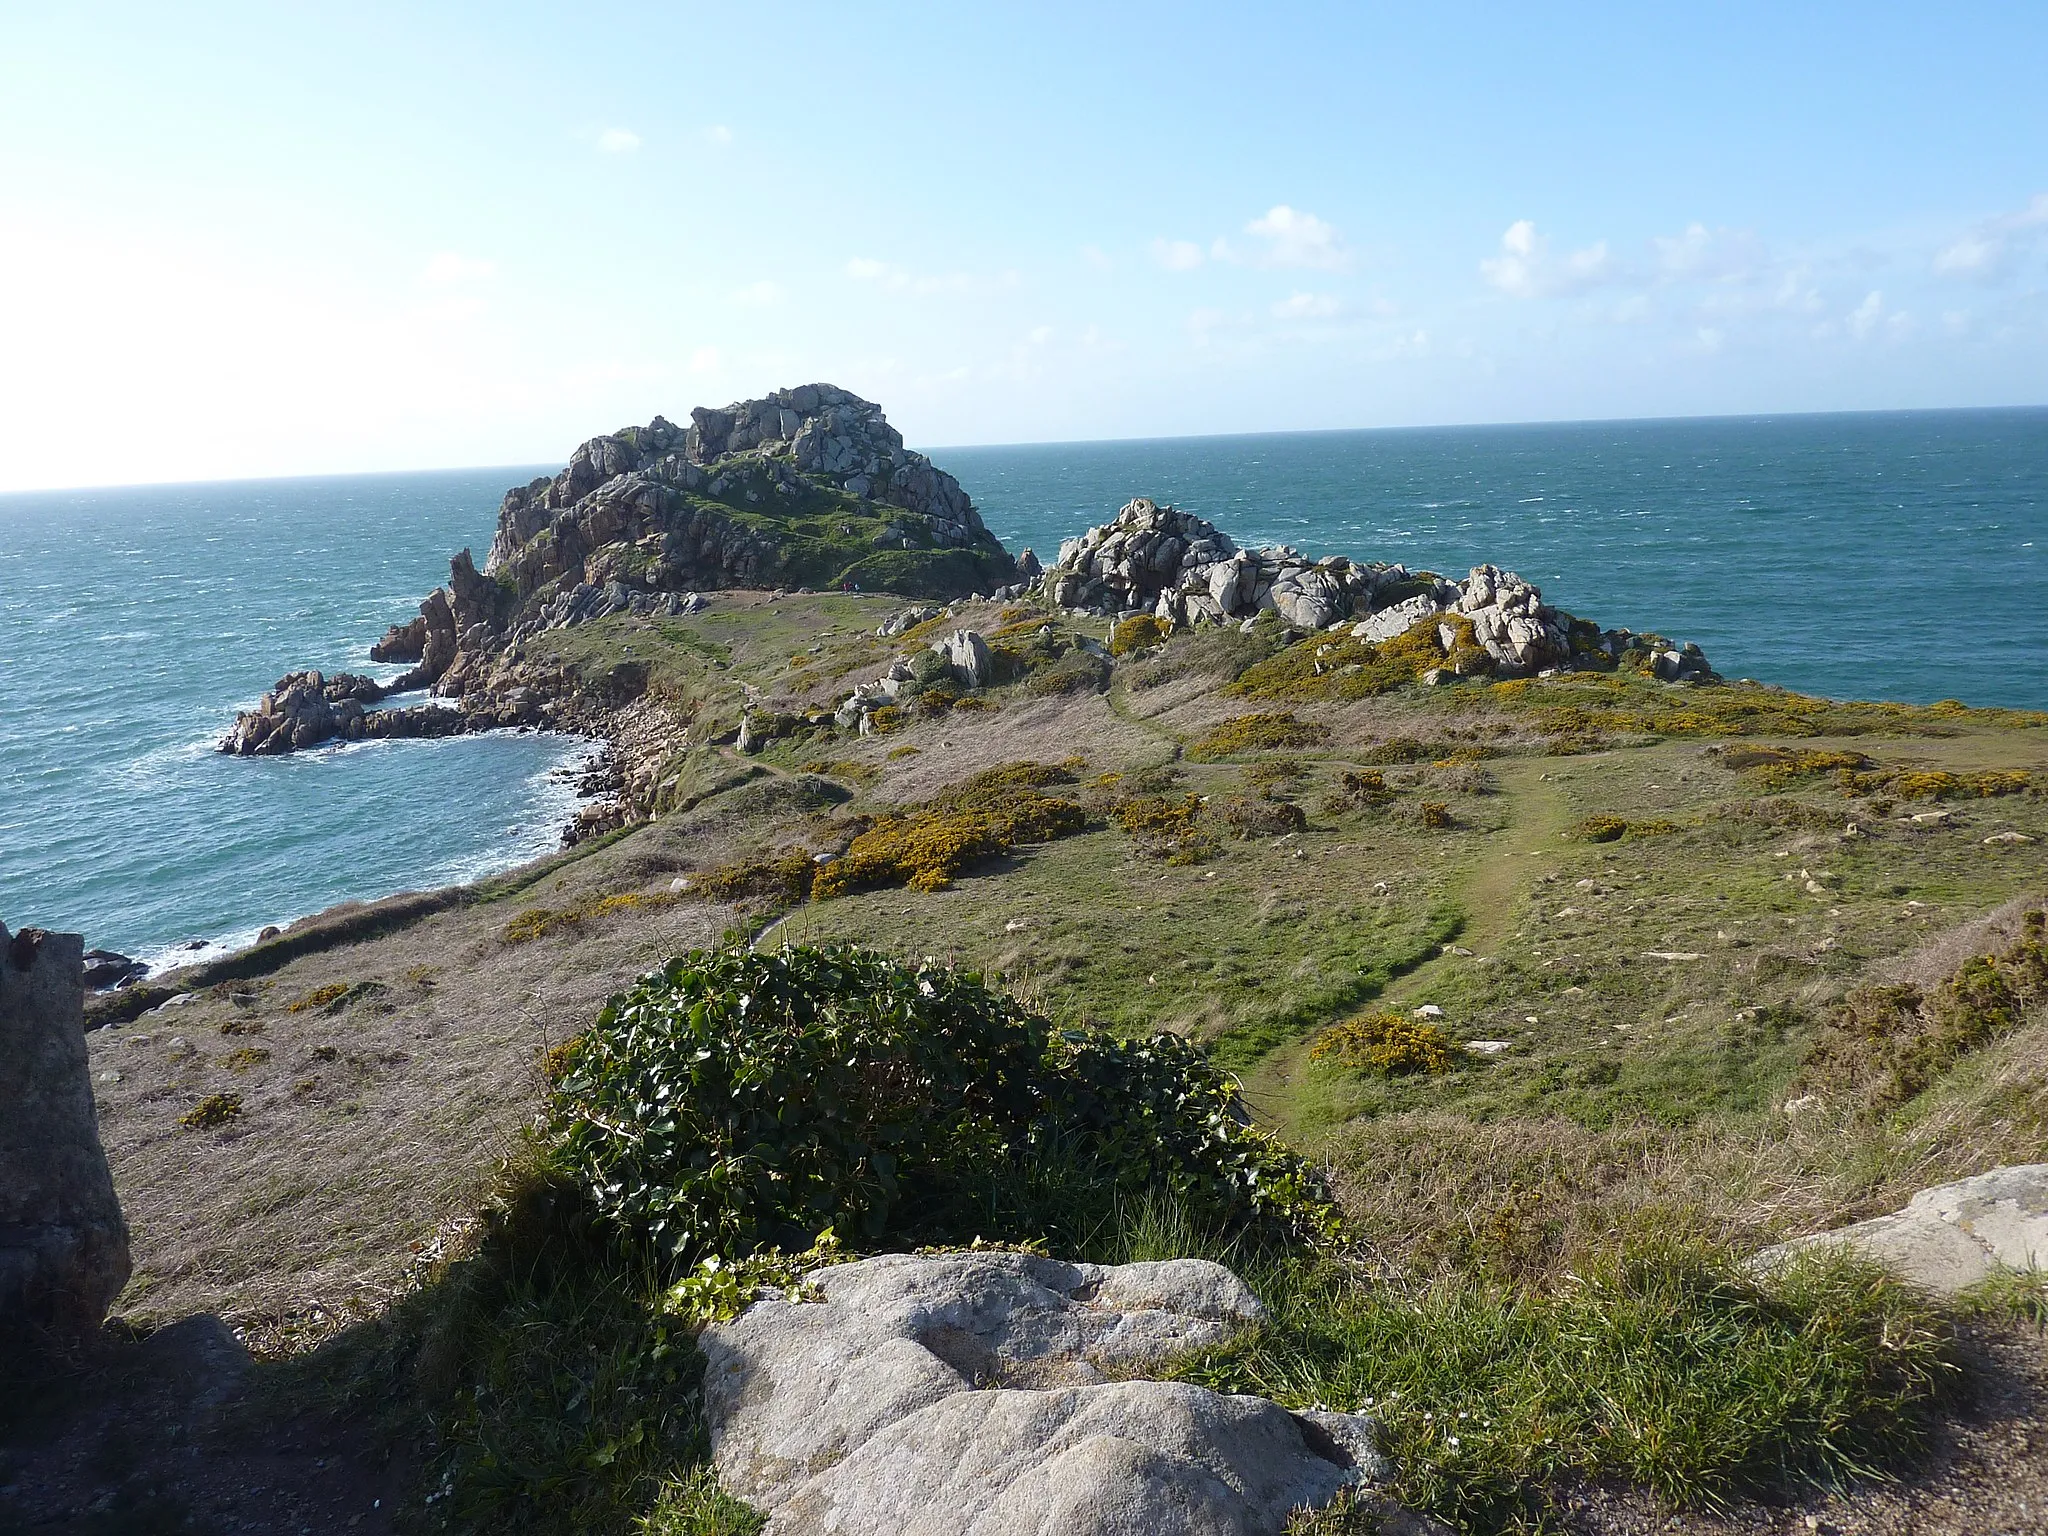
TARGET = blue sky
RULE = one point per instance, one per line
(274, 239)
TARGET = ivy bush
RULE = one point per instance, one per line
(735, 1101)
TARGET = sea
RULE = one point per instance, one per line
(1891, 555)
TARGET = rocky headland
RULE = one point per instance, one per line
(1579, 1021)
(811, 489)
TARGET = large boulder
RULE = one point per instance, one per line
(302, 710)
(1186, 570)
(1952, 1236)
(63, 1244)
(970, 1393)
(968, 655)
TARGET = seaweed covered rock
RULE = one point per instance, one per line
(63, 1244)
(967, 1392)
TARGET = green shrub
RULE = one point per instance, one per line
(737, 1101)
(1076, 672)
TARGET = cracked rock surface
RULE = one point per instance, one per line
(971, 1393)
(1952, 1236)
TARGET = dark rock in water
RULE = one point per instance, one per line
(105, 970)
(63, 1244)
(303, 710)
(402, 642)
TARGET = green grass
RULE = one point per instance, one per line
(1666, 1366)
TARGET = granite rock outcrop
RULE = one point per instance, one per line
(63, 1244)
(1185, 570)
(1952, 1236)
(673, 509)
(972, 1393)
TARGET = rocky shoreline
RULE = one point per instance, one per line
(811, 488)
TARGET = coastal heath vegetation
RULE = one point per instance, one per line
(740, 1117)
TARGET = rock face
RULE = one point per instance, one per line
(1952, 1236)
(655, 505)
(1188, 571)
(967, 1393)
(305, 709)
(63, 1245)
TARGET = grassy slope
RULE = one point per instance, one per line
(1638, 1092)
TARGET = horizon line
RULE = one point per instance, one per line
(1077, 442)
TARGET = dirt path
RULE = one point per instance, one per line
(1488, 891)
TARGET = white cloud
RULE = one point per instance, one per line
(867, 270)
(1097, 258)
(718, 133)
(449, 267)
(1525, 269)
(1708, 255)
(1177, 255)
(1308, 306)
(1297, 239)
(1864, 317)
(759, 295)
(618, 141)
(1986, 252)
(705, 360)
(1040, 335)
(1971, 256)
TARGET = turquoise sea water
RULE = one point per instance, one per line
(1901, 555)
(1896, 556)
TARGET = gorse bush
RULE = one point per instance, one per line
(1887, 1044)
(1140, 632)
(1388, 1045)
(738, 1101)
(1250, 733)
(926, 849)
(1344, 666)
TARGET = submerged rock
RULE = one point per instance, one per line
(969, 1393)
(63, 1244)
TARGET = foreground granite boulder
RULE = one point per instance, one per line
(63, 1244)
(971, 1393)
(1952, 1236)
